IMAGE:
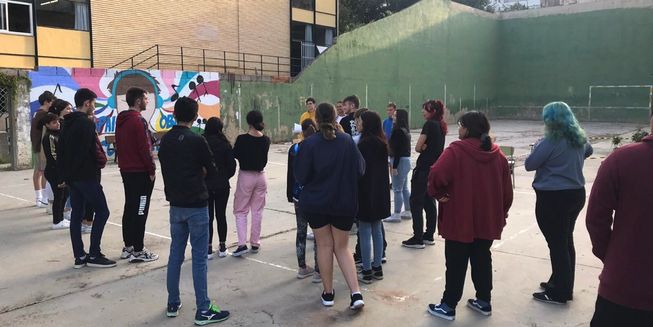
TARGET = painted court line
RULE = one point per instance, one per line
(15, 198)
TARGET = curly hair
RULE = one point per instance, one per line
(560, 123)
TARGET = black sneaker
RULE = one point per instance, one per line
(442, 311)
(480, 306)
(366, 277)
(255, 248)
(100, 262)
(546, 285)
(357, 259)
(240, 251)
(384, 259)
(80, 262)
(546, 298)
(210, 316)
(413, 243)
(356, 301)
(173, 310)
(328, 299)
(428, 239)
(377, 272)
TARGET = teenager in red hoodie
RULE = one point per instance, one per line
(619, 221)
(471, 181)
(137, 168)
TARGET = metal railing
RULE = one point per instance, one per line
(188, 58)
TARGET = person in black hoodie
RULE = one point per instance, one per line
(186, 161)
(218, 185)
(50, 141)
(293, 191)
(81, 157)
(373, 195)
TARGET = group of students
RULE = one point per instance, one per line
(338, 176)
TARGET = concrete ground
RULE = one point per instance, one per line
(39, 287)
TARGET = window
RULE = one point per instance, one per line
(303, 4)
(69, 14)
(16, 16)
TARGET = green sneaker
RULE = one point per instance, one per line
(210, 316)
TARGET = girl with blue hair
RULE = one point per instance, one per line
(559, 183)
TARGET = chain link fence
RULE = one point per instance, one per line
(4, 101)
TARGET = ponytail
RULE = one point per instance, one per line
(328, 131)
(486, 142)
(326, 118)
(478, 126)
(255, 119)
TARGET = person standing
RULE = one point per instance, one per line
(50, 142)
(328, 166)
(429, 146)
(388, 123)
(348, 123)
(471, 181)
(218, 185)
(340, 112)
(293, 192)
(36, 135)
(400, 165)
(310, 111)
(80, 157)
(373, 196)
(185, 163)
(559, 184)
(138, 171)
(61, 108)
(619, 224)
(251, 150)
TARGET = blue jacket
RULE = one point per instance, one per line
(329, 171)
(558, 165)
(387, 128)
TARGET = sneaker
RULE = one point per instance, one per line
(64, 224)
(48, 210)
(395, 218)
(240, 251)
(365, 276)
(210, 316)
(413, 243)
(546, 298)
(67, 214)
(317, 278)
(222, 251)
(41, 204)
(406, 215)
(173, 310)
(384, 259)
(100, 262)
(80, 262)
(127, 252)
(480, 306)
(86, 228)
(442, 311)
(255, 248)
(305, 272)
(210, 253)
(377, 272)
(310, 236)
(328, 299)
(428, 240)
(143, 256)
(546, 285)
(356, 301)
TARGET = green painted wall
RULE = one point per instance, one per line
(557, 57)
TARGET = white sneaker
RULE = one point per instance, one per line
(86, 228)
(66, 214)
(40, 203)
(393, 219)
(126, 252)
(223, 254)
(406, 215)
(310, 236)
(316, 278)
(64, 224)
(143, 256)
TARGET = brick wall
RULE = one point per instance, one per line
(124, 28)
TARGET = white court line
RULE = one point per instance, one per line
(277, 163)
(15, 198)
(514, 236)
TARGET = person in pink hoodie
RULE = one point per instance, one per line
(471, 181)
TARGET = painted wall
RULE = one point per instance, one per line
(163, 87)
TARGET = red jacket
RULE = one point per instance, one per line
(479, 189)
(624, 185)
(134, 143)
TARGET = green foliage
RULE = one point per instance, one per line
(616, 140)
(517, 6)
(639, 135)
(12, 81)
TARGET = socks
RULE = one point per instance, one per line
(38, 194)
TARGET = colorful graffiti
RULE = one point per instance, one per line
(163, 87)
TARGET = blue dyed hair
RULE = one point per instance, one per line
(560, 123)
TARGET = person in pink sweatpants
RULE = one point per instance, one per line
(251, 151)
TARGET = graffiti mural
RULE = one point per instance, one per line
(111, 85)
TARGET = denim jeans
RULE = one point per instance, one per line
(300, 240)
(400, 185)
(371, 237)
(185, 221)
(83, 194)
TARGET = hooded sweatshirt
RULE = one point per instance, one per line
(80, 155)
(479, 189)
(134, 143)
